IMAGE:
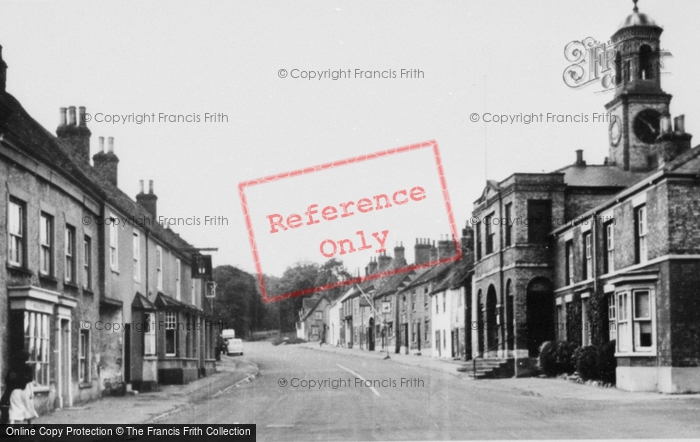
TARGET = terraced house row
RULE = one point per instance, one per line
(98, 302)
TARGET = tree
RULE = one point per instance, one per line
(238, 303)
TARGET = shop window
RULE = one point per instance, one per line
(170, 333)
(36, 342)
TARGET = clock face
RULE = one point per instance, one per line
(646, 125)
(615, 132)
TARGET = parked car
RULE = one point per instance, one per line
(235, 347)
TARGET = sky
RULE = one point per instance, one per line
(218, 57)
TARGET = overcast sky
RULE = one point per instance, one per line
(192, 58)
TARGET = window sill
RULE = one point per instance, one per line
(41, 390)
(150, 358)
(115, 271)
(85, 385)
(19, 269)
(48, 278)
(88, 291)
(638, 354)
(70, 285)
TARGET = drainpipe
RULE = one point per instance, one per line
(594, 264)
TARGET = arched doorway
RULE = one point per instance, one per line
(370, 334)
(491, 319)
(540, 314)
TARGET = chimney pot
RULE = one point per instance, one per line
(110, 144)
(140, 186)
(680, 124)
(101, 144)
(62, 118)
(82, 115)
(71, 115)
(666, 124)
(579, 158)
(150, 186)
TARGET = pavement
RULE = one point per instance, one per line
(154, 406)
(533, 386)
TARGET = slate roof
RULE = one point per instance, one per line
(313, 303)
(457, 274)
(32, 139)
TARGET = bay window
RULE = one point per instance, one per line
(635, 321)
(36, 342)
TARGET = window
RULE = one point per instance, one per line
(427, 330)
(46, 244)
(149, 335)
(193, 293)
(640, 216)
(70, 254)
(87, 262)
(444, 302)
(642, 320)
(178, 271)
(539, 214)
(314, 330)
(391, 329)
(509, 224)
(437, 305)
(413, 301)
(84, 357)
(623, 326)
(36, 342)
(413, 332)
(403, 306)
(489, 233)
(587, 257)
(319, 316)
(612, 317)
(609, 247)
(170, 333)
(569, 263)
(426, 299)
(136, 248)
(444, 339)
(113, 242)
(16, 227)
(159, 267)
(477, 227)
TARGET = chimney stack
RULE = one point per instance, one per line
(106, 163)
(433, 251)
(421, 251)
(579, 158)
(399, 255)
(3, 73)
(446, 247)
(384, 261)
(148, 200)
(372, 266)
(671, 143)
(76, 138)
(467, 241)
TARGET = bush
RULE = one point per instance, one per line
(586, 359)
(546, 361)
(607, 362)
(563, 357)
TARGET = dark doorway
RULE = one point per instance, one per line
(491, 321)
(510, 310)
(418, 334)
(370, 334)
(127, 353)
(540, 314)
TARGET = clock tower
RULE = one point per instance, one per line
(639, 102)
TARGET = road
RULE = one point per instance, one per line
(433, 406)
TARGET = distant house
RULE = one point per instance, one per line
(313, 319)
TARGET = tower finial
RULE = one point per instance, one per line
(636, 9)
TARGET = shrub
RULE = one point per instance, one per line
(546, 361)
(563, 357)
(607, 362)
(586, 359)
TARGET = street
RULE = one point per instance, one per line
(431, 405)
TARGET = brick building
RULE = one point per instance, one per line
(591, 253)
(94, 287)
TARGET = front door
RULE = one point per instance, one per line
(127, 353)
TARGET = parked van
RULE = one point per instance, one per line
(235, 347)
(228, 333)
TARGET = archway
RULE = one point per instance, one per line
(491, 319)
(540, 314)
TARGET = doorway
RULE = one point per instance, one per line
(64, 352)
(370, 334)
(540, 314)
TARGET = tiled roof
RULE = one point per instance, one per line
(37, 142)
(457, 274)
